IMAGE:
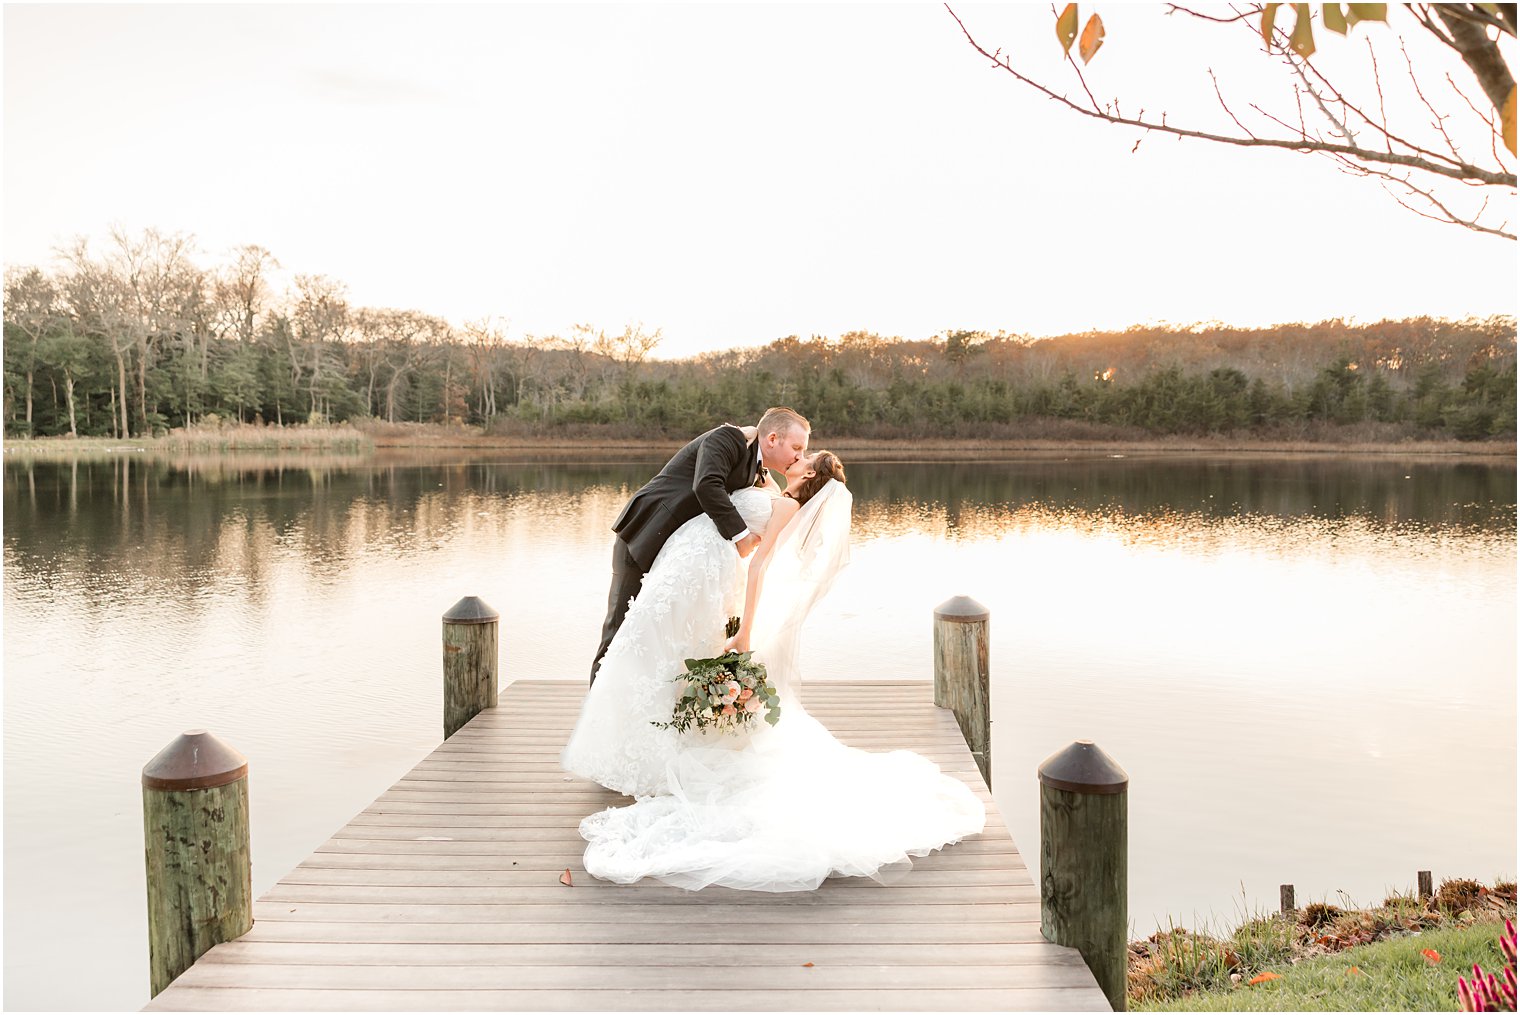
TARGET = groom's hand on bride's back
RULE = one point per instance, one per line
(746, 546)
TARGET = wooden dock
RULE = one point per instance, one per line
(445, 895)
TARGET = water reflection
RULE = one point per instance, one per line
(1282, 651)
(196, 521)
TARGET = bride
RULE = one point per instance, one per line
(777, 809)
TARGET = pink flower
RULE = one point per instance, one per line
(746, 694)
(729, 710)
(752, 706)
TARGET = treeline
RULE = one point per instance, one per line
(144, 338)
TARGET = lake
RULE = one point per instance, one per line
(1305, 663)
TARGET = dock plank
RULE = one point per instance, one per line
(740, 976)
(592, 998)
(444, 894)
(576, 953)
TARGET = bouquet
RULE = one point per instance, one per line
(724, 693)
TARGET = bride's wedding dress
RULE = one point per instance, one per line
(694, 585)
(778, 809)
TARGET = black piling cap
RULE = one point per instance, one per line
(1083, 768)
(471, 610)
(961, 610)
(195, 760)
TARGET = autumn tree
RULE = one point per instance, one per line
(407, 340)
(242, 291)
(629, 348)
(319, 317)
(1450, 160)
(485, 342)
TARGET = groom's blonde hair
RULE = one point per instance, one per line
(779, 419)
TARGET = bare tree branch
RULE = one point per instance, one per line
(1244, 129)
(1297, 66)
(1427, 20)
(1474, 14)
(1437, 120)
(1493, 128)
(1340, 98)
(1239, 16)
(1479, 52)
(1462, 171)
(1447, 216)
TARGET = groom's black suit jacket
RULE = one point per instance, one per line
(699, 478)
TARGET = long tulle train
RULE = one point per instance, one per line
(781, 813)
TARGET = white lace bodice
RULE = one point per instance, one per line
(754, 505)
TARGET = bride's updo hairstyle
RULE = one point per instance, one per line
(826, 467)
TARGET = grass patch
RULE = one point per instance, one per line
(1305, 960)
(1388, 975)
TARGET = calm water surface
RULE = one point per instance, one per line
(1307, 665)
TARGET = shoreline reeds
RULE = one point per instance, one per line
(370, 438)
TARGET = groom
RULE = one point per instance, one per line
(697, 480)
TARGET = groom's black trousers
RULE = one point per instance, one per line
(626, 577)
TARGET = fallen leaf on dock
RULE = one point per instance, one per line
(1263, 978)
(807, 965)
(1431, 955)
(564, 878)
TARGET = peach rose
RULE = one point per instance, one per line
(729, 710)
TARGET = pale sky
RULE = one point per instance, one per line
(729, 174)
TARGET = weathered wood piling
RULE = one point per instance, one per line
(961, 674)
(1084, 861)
(470, 652)
(195, 834)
